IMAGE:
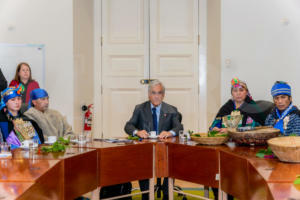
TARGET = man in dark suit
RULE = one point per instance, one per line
(154, 115)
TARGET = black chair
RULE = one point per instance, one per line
(259, 111)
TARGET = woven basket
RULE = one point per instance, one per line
(287, 149)
(258, 136)
(209, 140)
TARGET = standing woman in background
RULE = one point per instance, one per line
(23, 76)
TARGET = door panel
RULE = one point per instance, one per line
(174, 20)
(155, 39)
(174, 54)
(125, 21)
(125, 61)
(120, 105)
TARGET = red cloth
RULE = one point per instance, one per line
(31, 86)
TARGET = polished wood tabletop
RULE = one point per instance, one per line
(77, 174)
(70, 152)
(24, 170)
(247, 177)
(13, 190)
(79, 170)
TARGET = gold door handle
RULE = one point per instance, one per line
(146, 81)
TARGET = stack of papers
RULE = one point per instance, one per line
(117, 140)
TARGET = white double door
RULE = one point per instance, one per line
(148, 39)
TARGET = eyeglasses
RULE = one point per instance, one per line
(156, 93)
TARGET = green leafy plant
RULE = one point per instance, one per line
(265, 153)
(293, 134)
(133, 137)
(216, 134)
(212, 133)
(58, 146)
(190, 132)
(64, 141)
(197, 135)
(297, 180)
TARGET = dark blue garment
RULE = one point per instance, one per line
(5, 129)
(293, 125)
(279, 124)
(154, 117)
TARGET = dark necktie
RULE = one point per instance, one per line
(154, 117)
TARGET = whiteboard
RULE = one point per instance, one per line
(13, 54)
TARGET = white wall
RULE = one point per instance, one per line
(261, 39)
(83, 59)
(48, 22)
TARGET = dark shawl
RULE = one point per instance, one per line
(248, 109)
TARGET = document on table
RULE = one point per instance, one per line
(114, 140)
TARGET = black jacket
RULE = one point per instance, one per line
(3, 82)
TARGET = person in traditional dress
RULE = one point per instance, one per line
(52, 122)
(285, 116)
(242, 104)
(15, 127)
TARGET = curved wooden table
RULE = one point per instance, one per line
(79, 170)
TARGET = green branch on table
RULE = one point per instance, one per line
(297, 181)
(265, 153)
(58, 146)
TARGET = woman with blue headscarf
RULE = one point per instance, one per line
(285, 116)
(14, 126)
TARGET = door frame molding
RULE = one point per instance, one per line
(97, 115)
(202, 68)
(202, 64)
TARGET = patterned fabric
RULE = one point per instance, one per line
(11, 129)
(291, 123)
(248, 119)
(9, 93)
(218, 122)
(236, 83)
(281, 88)
(29, 87)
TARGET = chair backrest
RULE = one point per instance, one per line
(265, 107)
(179, 117)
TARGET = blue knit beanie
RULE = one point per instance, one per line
(281, 88)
